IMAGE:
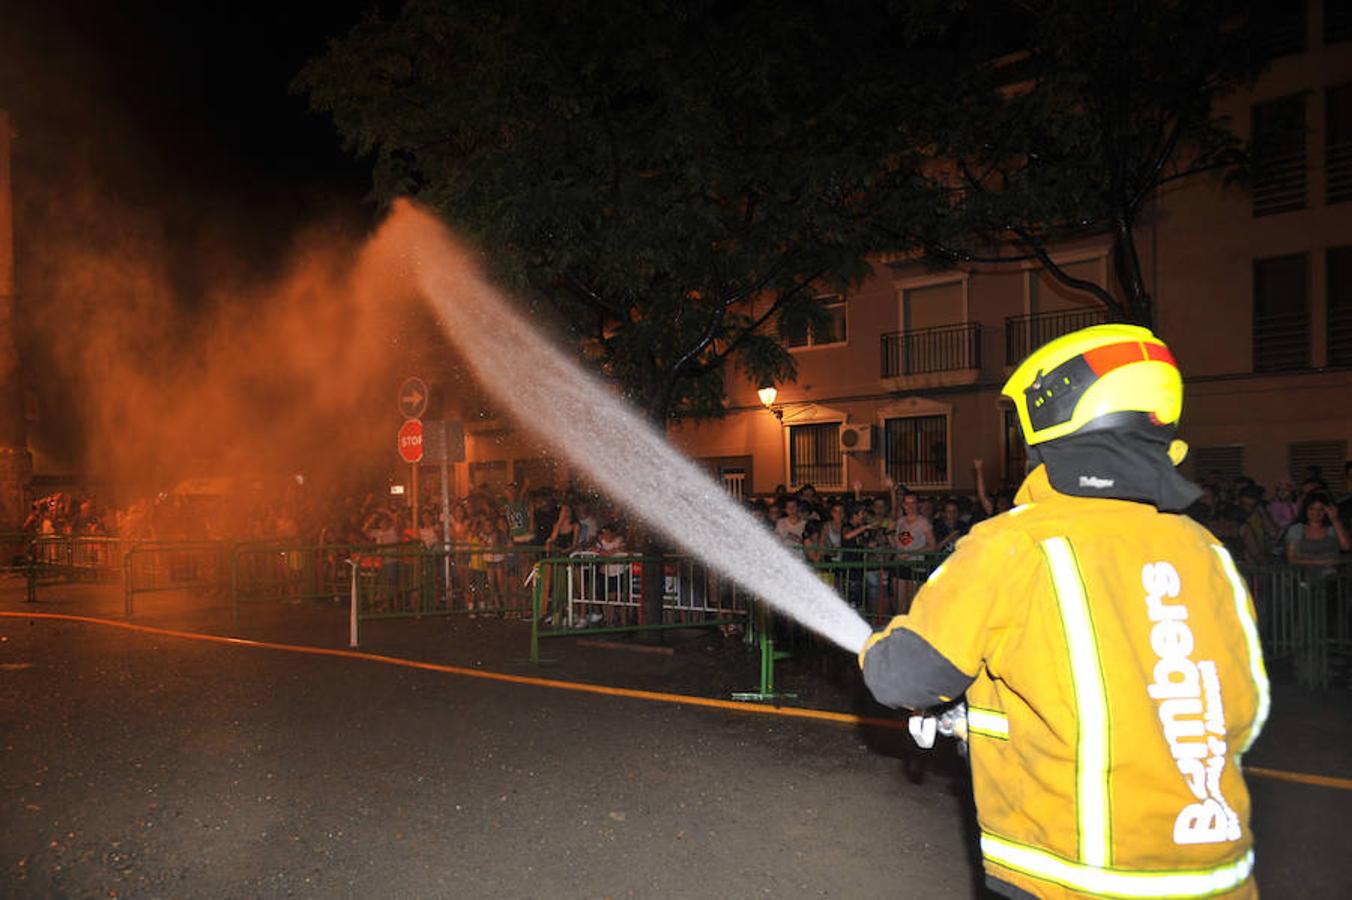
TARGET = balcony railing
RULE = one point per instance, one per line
(1024, 334)
(948, 348)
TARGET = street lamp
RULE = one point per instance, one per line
(767, 396)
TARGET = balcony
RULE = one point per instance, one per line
(1024, 334)
(948, 348)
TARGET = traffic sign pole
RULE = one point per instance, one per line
(414, 479)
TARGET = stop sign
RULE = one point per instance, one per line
(411, 441)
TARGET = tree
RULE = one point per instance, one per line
(666, 180)
(1096, 107)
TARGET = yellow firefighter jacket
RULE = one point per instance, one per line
(1115, 679)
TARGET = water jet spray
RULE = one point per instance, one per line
(577, 415)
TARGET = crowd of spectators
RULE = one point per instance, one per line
(1305, 524)
(825, 528)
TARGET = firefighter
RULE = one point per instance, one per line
(1105, 643)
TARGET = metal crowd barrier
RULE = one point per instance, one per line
(262, 571)
(152, 566)
(589, 594)
(1304, 612)
(604, 595)
(411, 581)
(1304, 617)
(64, 558)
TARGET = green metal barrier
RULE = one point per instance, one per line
(153, 566)
(878, 583)
(1304, 617)
(411, 581)
(61, 559)
(279, 571)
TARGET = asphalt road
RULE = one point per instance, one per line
(144, 766)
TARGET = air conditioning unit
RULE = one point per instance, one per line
(856, 438)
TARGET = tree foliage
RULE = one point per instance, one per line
(673, 181)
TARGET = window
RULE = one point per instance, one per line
(490, 472)
(1227, 462)
(1338, 138)
(1281, 313)
(1279, 156)
(1339, 261)
(1320, 459)
(1337, 21)
(833, 332)
(814, 455)
(1278, 28)
(733, 472)
(917, 450)
(733, 479)
(1016, 451)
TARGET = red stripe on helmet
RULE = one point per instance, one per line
(1105, 359)
(1160, 353)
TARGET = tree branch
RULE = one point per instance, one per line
(1070, 281)
(1152, 176)
(756, 325)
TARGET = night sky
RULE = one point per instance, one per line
(183, 108)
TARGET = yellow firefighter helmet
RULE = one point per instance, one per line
(1104, 376)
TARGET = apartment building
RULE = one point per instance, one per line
(1253, 291)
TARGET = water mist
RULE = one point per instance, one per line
(583, 420)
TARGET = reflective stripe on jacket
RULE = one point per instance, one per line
(1113, 678)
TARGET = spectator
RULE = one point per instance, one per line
(1258, 535)
(520, 514)
(563, 536)
(587, 525)
(1318, 539)
(913, 531)
(1283, 508)
(543, 517)
(1204, 511)
(807, 503)
(949, 528)
(757, 510)
(813, 552)
(790, 527)
(380, 528)
(833, 531)
(460, 524)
